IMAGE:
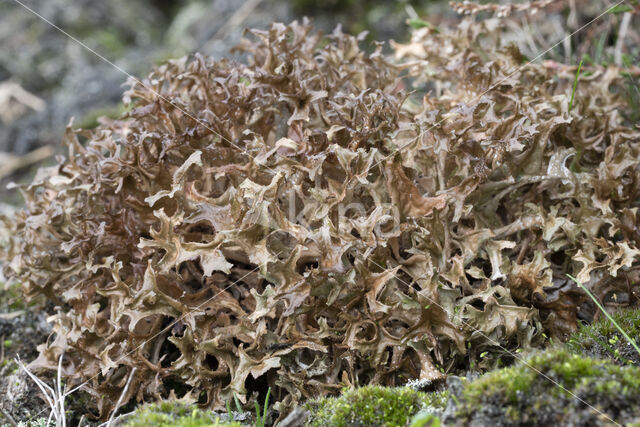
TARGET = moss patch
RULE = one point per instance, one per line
(552, 387)
(603, 340)
(175, 414)
(373, 406)
(555, 387)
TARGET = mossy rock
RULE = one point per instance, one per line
(174, 414)
(373, 406)
(555, 387)
(602, 339)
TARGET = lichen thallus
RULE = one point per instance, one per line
(398, 150)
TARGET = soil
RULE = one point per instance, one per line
(21, 332)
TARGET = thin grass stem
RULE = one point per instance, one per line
(595, 300)
(575, 84)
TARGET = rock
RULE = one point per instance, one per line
(19, 394)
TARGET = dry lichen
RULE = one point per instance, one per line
(316, 227)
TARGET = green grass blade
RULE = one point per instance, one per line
(595, 300)
(575, 84)
(620, 8)
(266, 405)
(238, 405)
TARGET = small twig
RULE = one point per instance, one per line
(12, 315)
(523, 250)
(157, 346)
(60, 392)
(411, 12)
(12, 163)
(13, 92)
(622, 33)
(572, 19)
(124, 392)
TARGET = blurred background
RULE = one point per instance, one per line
(46, 78)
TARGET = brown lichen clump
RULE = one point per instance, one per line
(303, 222)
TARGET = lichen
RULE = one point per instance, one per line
(319, 216)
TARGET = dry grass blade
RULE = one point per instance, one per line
(121, 398)
(53, 395)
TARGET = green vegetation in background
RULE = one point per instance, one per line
(90, 120)
(373, 16)
(621, 330)
(604, 340)
(11, 298)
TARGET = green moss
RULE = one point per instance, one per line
(11, 298)
(111, 42)
(506, 382)
(603, 340)
(175, 413)
(373, 406)
(545, 388)
(8, 367)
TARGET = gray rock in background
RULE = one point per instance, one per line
(71, 80)
(134, 35)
